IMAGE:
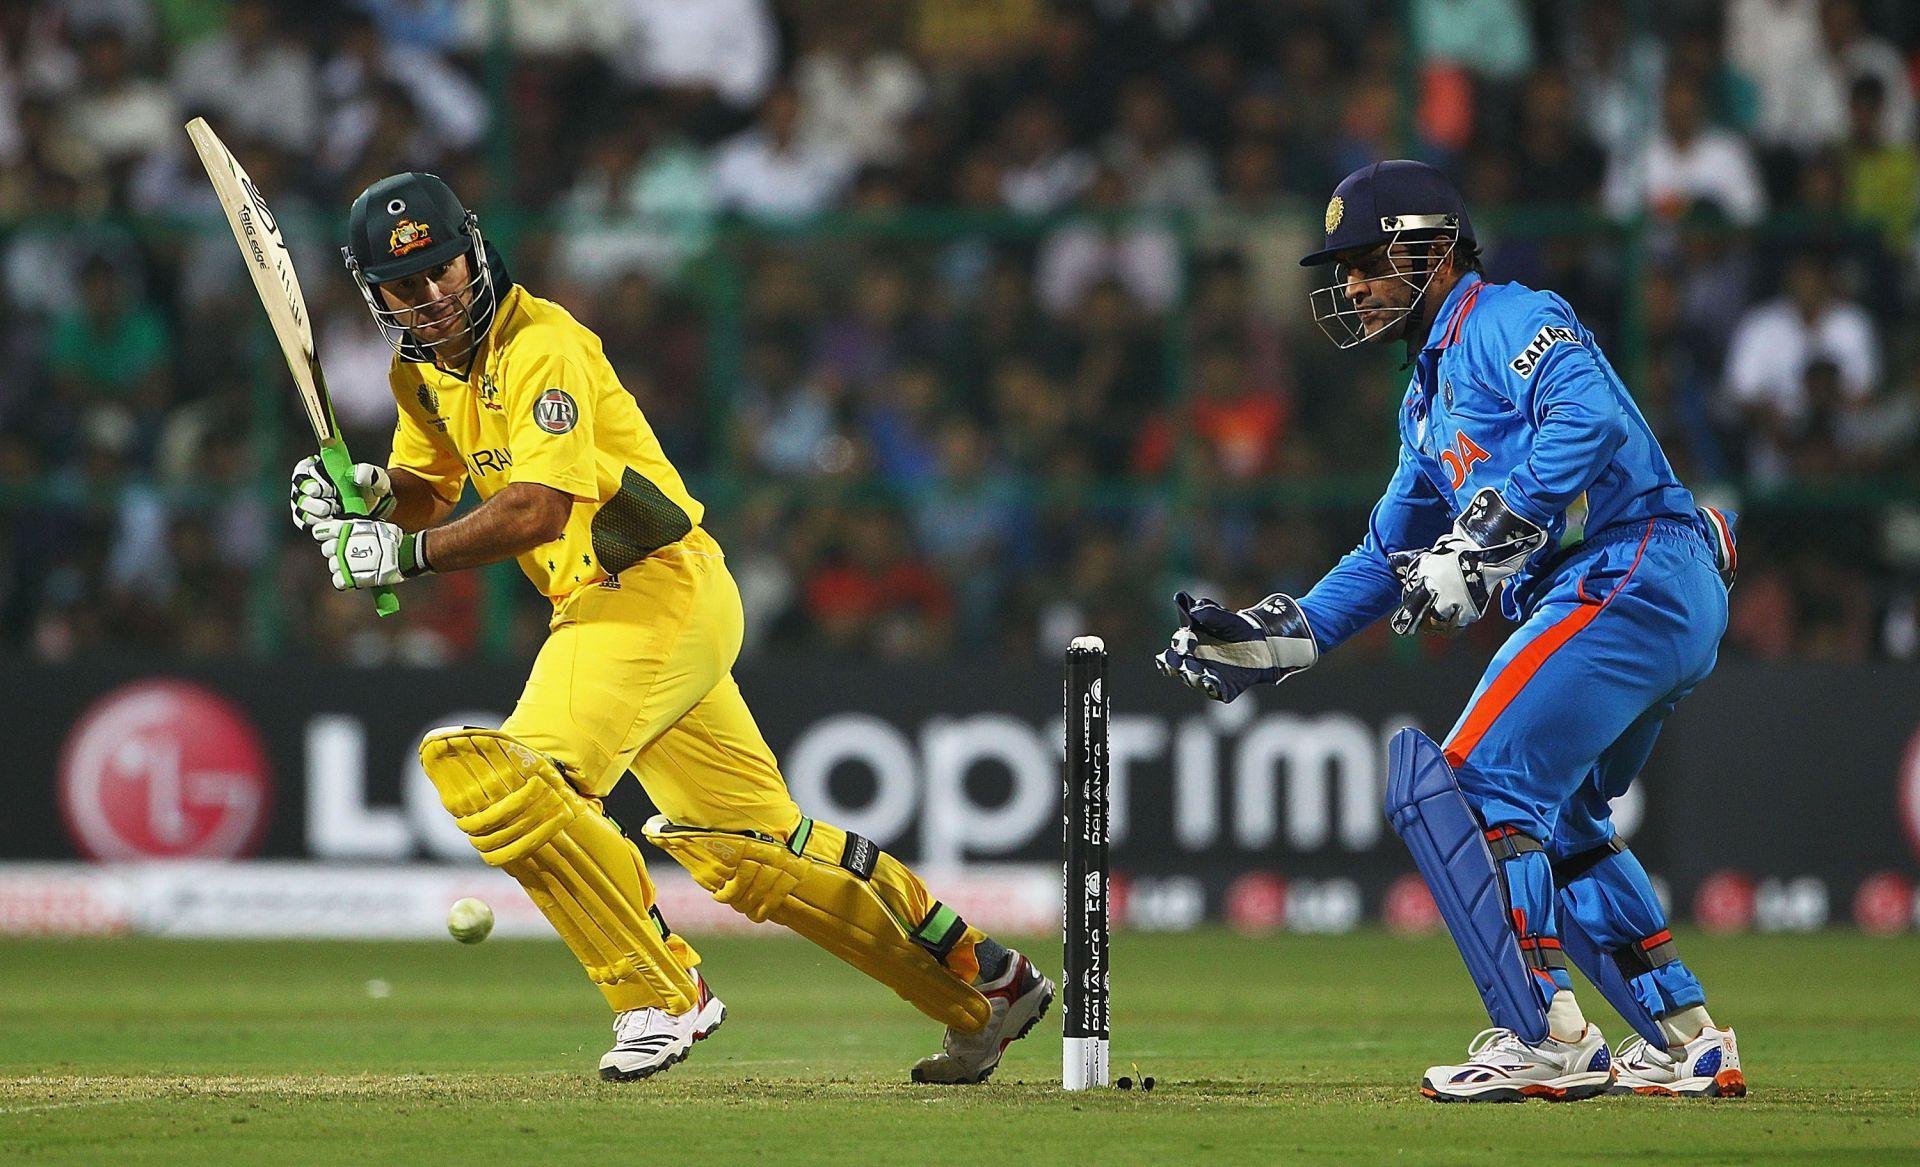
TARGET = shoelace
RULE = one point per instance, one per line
(1490, 1044)
(1641, 1050)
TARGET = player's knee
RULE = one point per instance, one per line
(510, 799)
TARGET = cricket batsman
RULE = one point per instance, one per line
(507, 391)
(1528, 477)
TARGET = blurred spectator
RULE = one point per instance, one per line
(875, 597)
(547, 31)
(715, 50)
(790, 423)
(769, 171)
(1611, 64)
(1490, 37)
(35, 63)
(1778, 45)
(1857, 53)
(856, 93)
(117, 114)
(1238, 424)
(642, 200)
(1158, 168)
(1017, 406)
(434, 26)
(962, 33)
(1104, 245)
(1030, 414)
(878, 333)
(251, 79)
(903, 428)
(110, 359)
(1882, 173)
(129, 20)
(1042, 171)
(1686, 162)
(1776, 345)
(1111, 370)
(357, 358)
(1556, 162)
(972, 521)
(352, 80)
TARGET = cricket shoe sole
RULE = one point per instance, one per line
(1565, 1091)
(1725, 1084)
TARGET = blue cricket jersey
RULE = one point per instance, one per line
(1510, 392)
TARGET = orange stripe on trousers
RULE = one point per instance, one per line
(1523, 666)
(1512, 679)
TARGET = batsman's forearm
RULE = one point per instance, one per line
(510, 524)
(415, 506)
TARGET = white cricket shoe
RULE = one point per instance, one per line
(647, 1041)
(1019, 997)
(1706, 1067)
(1502, 1067)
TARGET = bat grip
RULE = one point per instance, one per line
(339, 464)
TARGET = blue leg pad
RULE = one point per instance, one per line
(1449, 846)
(1608, 906)
(1597, 965)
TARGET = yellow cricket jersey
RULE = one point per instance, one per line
(543, 405)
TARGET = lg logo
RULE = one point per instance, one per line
(164, 770)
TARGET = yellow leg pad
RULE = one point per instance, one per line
(583, 874)
(819, 884)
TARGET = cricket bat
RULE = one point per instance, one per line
(271, 266)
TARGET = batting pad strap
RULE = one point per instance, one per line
(940, 931)
(1646, 954)
(659, 921)
(860, 855)
(1506, 843)
(1542, 952)
(1572, 867)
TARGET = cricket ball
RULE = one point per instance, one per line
(469, 920)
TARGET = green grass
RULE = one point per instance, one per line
(1279, 1050)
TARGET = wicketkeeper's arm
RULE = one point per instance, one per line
(1364, 586)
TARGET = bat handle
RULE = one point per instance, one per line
(339, 466)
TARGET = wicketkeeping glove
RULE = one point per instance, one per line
(367, 553)
(1224, 653)
(315, 498)
(1450, 584)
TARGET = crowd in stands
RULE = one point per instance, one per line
(976, 322)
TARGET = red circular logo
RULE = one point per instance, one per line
(1409, 908)
(1884, 904)
(1724, 902)
(1257, 903)
(164, 770)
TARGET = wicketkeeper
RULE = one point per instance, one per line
(1527, 476)
(507, 391)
